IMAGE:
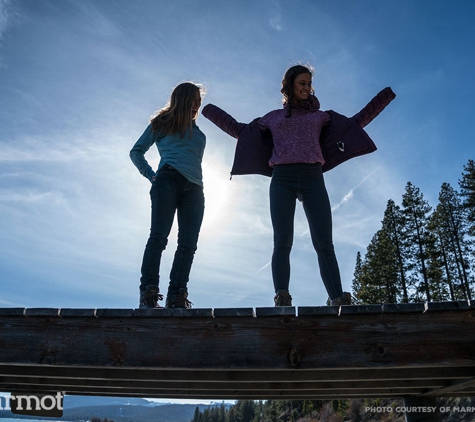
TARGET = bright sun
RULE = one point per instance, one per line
(216, 188)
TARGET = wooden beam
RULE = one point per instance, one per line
(68, 383)
(454, 387)
(372, 351)
(240, 375)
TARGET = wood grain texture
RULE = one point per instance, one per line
(313, 352)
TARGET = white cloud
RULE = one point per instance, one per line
(30, 149)
(29, 196)
(6, 21)
(276, 13)
(5, 15)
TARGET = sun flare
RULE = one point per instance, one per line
(216, 189)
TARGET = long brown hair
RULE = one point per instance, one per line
(289, 79)
(177, 116)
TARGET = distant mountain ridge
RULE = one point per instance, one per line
(118, 409)
(71, 402)
(134, 413)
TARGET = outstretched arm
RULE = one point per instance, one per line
(223, 120)
(374, 107)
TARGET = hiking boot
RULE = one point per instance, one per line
(149, 298)
(179, 300)
(341, 300)
(283, 298)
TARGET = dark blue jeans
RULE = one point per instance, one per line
(305, 182)
(171, 192)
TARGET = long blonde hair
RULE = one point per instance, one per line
(177, 116)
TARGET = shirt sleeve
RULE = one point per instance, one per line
(137, 153)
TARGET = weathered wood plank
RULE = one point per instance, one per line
(276, 312)
(361, 310)
(454, 387)
(371, 340)
(114, 313)
(311, 352)
(77, 312)
(67, 383)
(233, 312)
(447, 306)
(215, 395)
(401, 308)
(318, 311)
(375, 391)
(12, 312)
(42, 312)
(180, 313)
(240, 375)
(220, 394)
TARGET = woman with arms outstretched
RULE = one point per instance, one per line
(295, 145)
(297, 161)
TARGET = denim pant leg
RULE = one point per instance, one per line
(317, 208)
(282, 210)
(164, 195)
(190, 213)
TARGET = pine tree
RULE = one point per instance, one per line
(381, 276)
(221, 413)
(378, 273)
(439, 289)
(270, 411)
(197, 415)
(449, 223)
(310, 407)
(415, 210)
(245, 410)
(356, 286)
(258, 411)
(207, 415)
(231, 415)
(214, 414)
(467, 186)
(393, 225)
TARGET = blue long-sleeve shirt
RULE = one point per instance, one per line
(183, 154)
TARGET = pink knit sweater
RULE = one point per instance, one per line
(297, 137)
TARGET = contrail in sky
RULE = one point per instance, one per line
(263, 268)
(350, 192)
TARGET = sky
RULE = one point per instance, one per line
(79, 80)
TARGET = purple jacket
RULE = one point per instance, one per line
(343, 138)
